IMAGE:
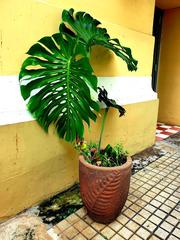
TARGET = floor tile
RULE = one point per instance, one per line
(135, 237)
(143, 233)
(174, 199)
(176, 214)
(151, 194)
(170, 203)
(141, 203)
(161, 233)
(122, 219)
(149, 226)
(89, 232)
(87, 219)
(73, 218)
(164, 131)
(135, 207)
(54, 233)
(146, 198)
(126, 233)
(80, 225)
(164, 194)
(132, 226)
(108, 232)
(154, 219)
(128, 203)
(63, 225)
(139, 219)
(162, 136)
(165, 208)
(150, 208)
(98, 237)
(167, 226)
(116, 226)
(117, 237)
(144, 213)
(63, 237)
(160, 214)
(172, 220)
(81, 212)
(153, 237)
(171, 237)
(156, 190)
(160, 199)
(79, 237)
(155, 203)
(71, 232)
(129, 213)
(159, 138)
(98, 226)
(172, 131)
(132, 198)
(176, 232)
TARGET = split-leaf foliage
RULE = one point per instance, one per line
(56, 78)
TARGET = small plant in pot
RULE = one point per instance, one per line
(104, 173)
(56, 81)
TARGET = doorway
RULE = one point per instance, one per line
(157, 27)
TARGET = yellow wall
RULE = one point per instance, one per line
(169, 69)
(34, 165)
(25, 21)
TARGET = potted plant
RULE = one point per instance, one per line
(104, 174)
(56, 80)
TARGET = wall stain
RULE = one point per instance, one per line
(1, 41)
(17, 141)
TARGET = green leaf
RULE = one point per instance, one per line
(56, 77)
(88, 30)
(56, 84)
(103, 97)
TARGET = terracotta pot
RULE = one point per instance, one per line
(104, 190)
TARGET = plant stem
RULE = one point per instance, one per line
(102, 128)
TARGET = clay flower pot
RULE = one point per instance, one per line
(104, 190)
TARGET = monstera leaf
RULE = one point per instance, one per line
(61, 83)
(56, 78)
(89, 32)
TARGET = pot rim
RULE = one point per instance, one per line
(126, 165)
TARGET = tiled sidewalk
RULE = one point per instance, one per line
(151, 211)
(163, 131)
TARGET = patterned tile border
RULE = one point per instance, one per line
(163, 131)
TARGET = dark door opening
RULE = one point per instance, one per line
(157, 27)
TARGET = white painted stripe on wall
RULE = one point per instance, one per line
(12, 105)
(125, 90)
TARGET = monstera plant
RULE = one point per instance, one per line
(56, 81)
(57, 77)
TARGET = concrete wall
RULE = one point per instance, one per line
(34, 165)
(169, 69)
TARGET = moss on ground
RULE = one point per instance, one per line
(61, 205)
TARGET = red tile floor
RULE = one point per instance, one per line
(163, 131)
